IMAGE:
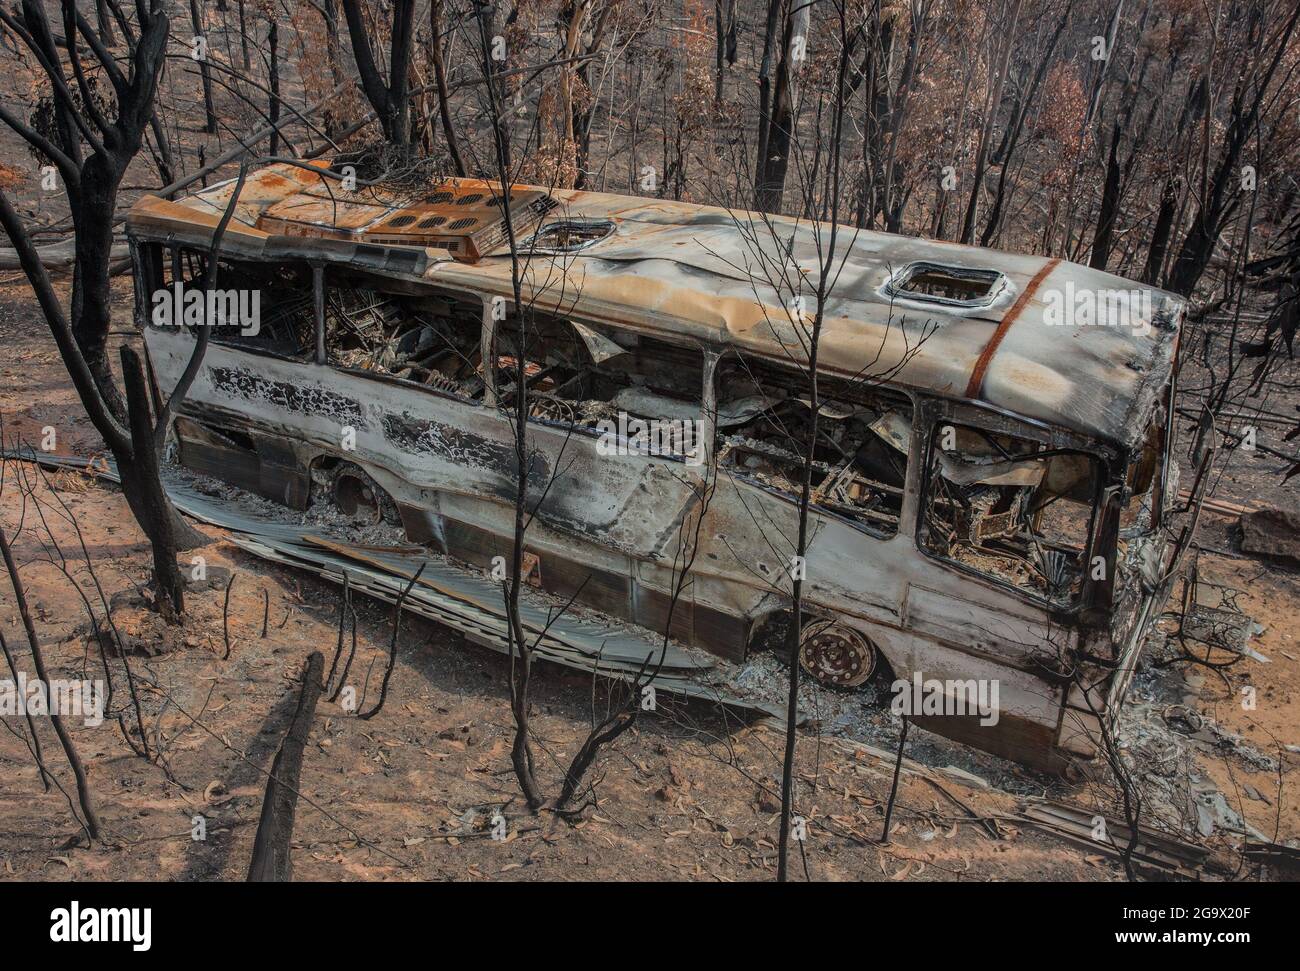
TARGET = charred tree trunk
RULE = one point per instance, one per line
(1159, 247)
(243, 37)
(166, 164)
(273, 109)
(140, 479)
(91, 308)
(719, 49)
(271, 861)
(390, 99)
(774, 156)
(776, 18)
(205, 73)
(104, 21)
(440, 80)
(330, 13)
(1109, 207)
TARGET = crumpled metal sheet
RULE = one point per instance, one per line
(464, 601)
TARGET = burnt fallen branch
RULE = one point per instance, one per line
(392, 647)
(270, 863)
(345, 603)
(893, 786)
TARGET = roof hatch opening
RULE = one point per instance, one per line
(570, 235)
(955, 286)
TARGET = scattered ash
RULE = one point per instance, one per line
(1161, 732)
(864, 716)
(321, 516)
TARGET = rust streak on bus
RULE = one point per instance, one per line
(981, 366)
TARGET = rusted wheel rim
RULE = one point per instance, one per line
(356, 499)
(837, 656)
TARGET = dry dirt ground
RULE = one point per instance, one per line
(410, 794)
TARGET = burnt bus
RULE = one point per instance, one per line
(991, 482)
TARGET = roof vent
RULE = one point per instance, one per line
(458, 212)
(952, 286)
(569, 235)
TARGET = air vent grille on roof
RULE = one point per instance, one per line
(456, 217)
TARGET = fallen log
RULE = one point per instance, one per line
(271, 863)
(1221, 506)
(57, 256)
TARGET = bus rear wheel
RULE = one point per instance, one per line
(358, 497)
(835, 655)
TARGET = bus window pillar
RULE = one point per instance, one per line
(318, 307)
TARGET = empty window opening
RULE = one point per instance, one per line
(863, 438)
(1138, 515)
(1010, 509)
(953, 285)
(584, 376)
(284, 323)
(431, 340)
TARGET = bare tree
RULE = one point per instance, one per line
(774, 265)
(390, 98)
(90, 818)
(90, 146)
(546, 278)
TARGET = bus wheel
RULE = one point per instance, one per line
(837, 656)
(358, 496)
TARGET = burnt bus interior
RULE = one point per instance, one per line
(1010, 508)
(1006, 507)
(860, 455)
(579, 375)
(432, 341)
